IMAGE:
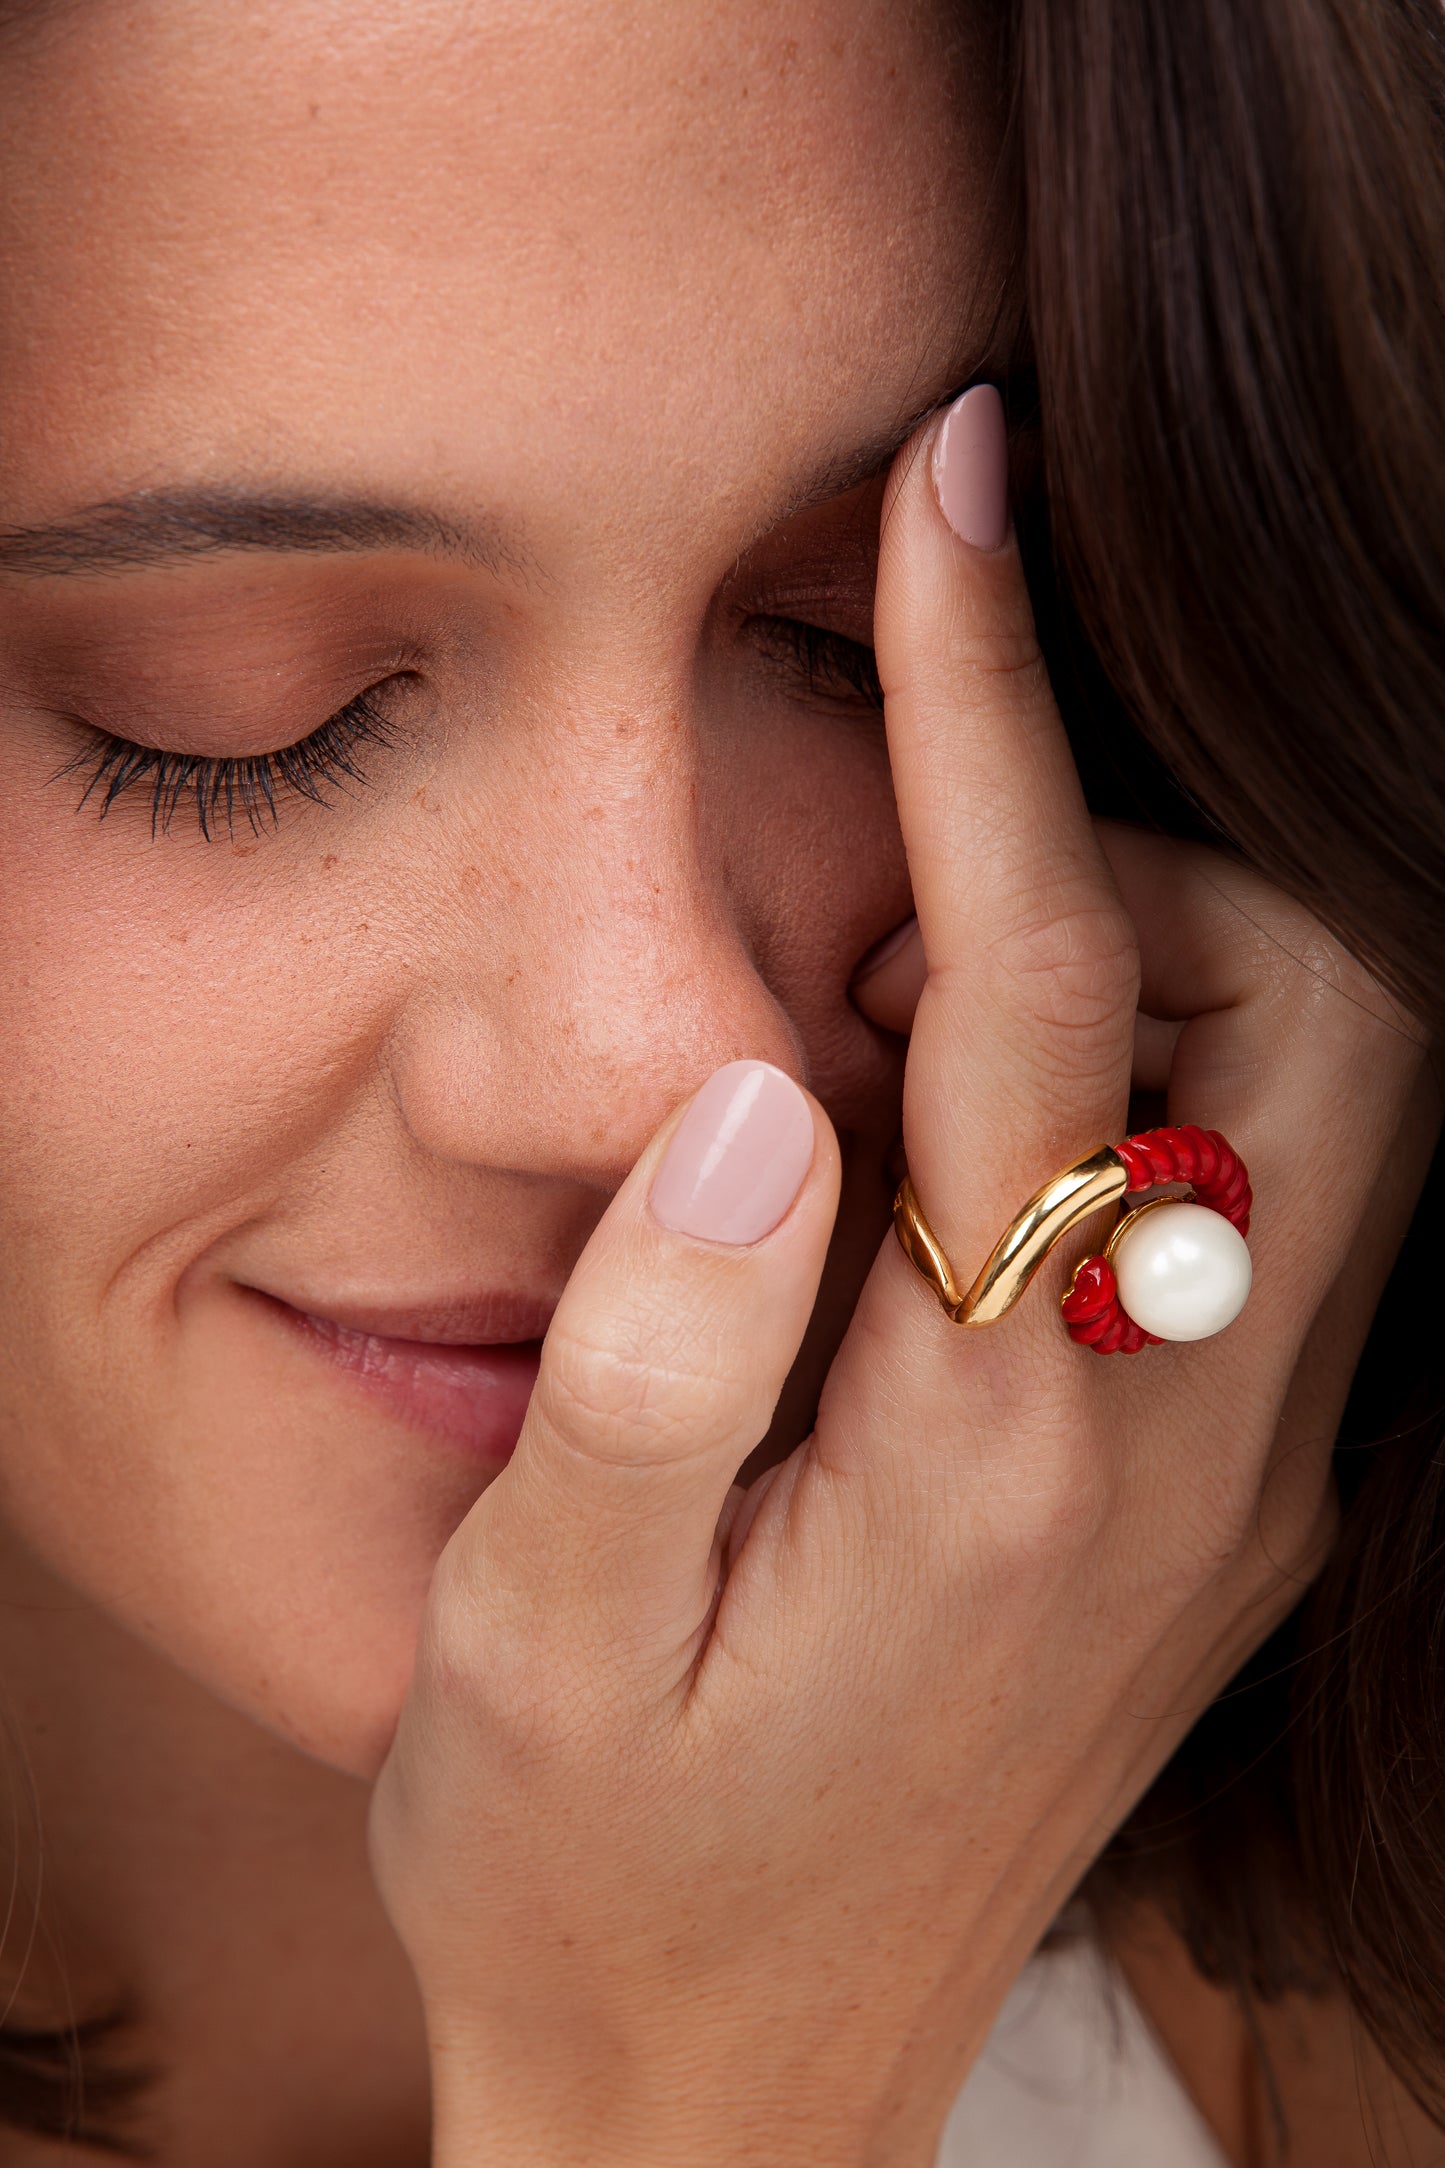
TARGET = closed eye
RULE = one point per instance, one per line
(830, 665)
(226, 788)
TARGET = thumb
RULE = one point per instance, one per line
(659, 1374)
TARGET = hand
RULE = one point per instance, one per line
(716, 1825)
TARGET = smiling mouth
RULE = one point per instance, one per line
(459, 1373)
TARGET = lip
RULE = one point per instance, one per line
(488, 1320)
(460, 1370)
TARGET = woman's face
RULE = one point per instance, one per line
(526, 369)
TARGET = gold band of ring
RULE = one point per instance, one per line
(1097, 1179)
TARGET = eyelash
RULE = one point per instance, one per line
(830, 664)
(226, 787)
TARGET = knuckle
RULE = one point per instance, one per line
(1291, 956)
(1071, 971)
(496, 1670)
(998, 646)
(1055, 1501)
(1327, 979)
(1062, 1513)
(625, 1398)
(1292, 950)
(457, 1628)
(1356, 1049)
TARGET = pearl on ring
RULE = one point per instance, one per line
(1183, 1272)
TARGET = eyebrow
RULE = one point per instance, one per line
(861, 463)
(154, 527)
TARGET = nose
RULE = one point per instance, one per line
(569, 1008)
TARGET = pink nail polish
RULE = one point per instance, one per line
(738, 1156)
(970, 468)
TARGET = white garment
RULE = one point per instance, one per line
(1072, 2077)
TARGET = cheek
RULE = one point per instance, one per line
(165, 1012)
(172, 1046)
(192, 1033)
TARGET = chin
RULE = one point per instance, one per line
(249, 1520)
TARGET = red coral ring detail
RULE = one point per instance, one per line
(1217, 1177)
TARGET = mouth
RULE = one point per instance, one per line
(461, 1372)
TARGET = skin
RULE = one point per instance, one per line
(891, 1696)
(351, 1074)
(407, 1047)
(634, 312)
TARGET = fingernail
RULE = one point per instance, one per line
(882, 950)
(738, 1156)
(970, 468)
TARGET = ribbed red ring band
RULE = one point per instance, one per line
(1218, 1178)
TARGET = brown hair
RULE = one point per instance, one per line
(1232, 230)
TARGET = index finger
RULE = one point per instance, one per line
(1021, 1048)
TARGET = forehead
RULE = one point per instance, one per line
(375, 242)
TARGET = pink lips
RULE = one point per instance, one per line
(464, 1372)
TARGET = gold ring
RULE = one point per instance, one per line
(1187, 1282)
(1097, 1179)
